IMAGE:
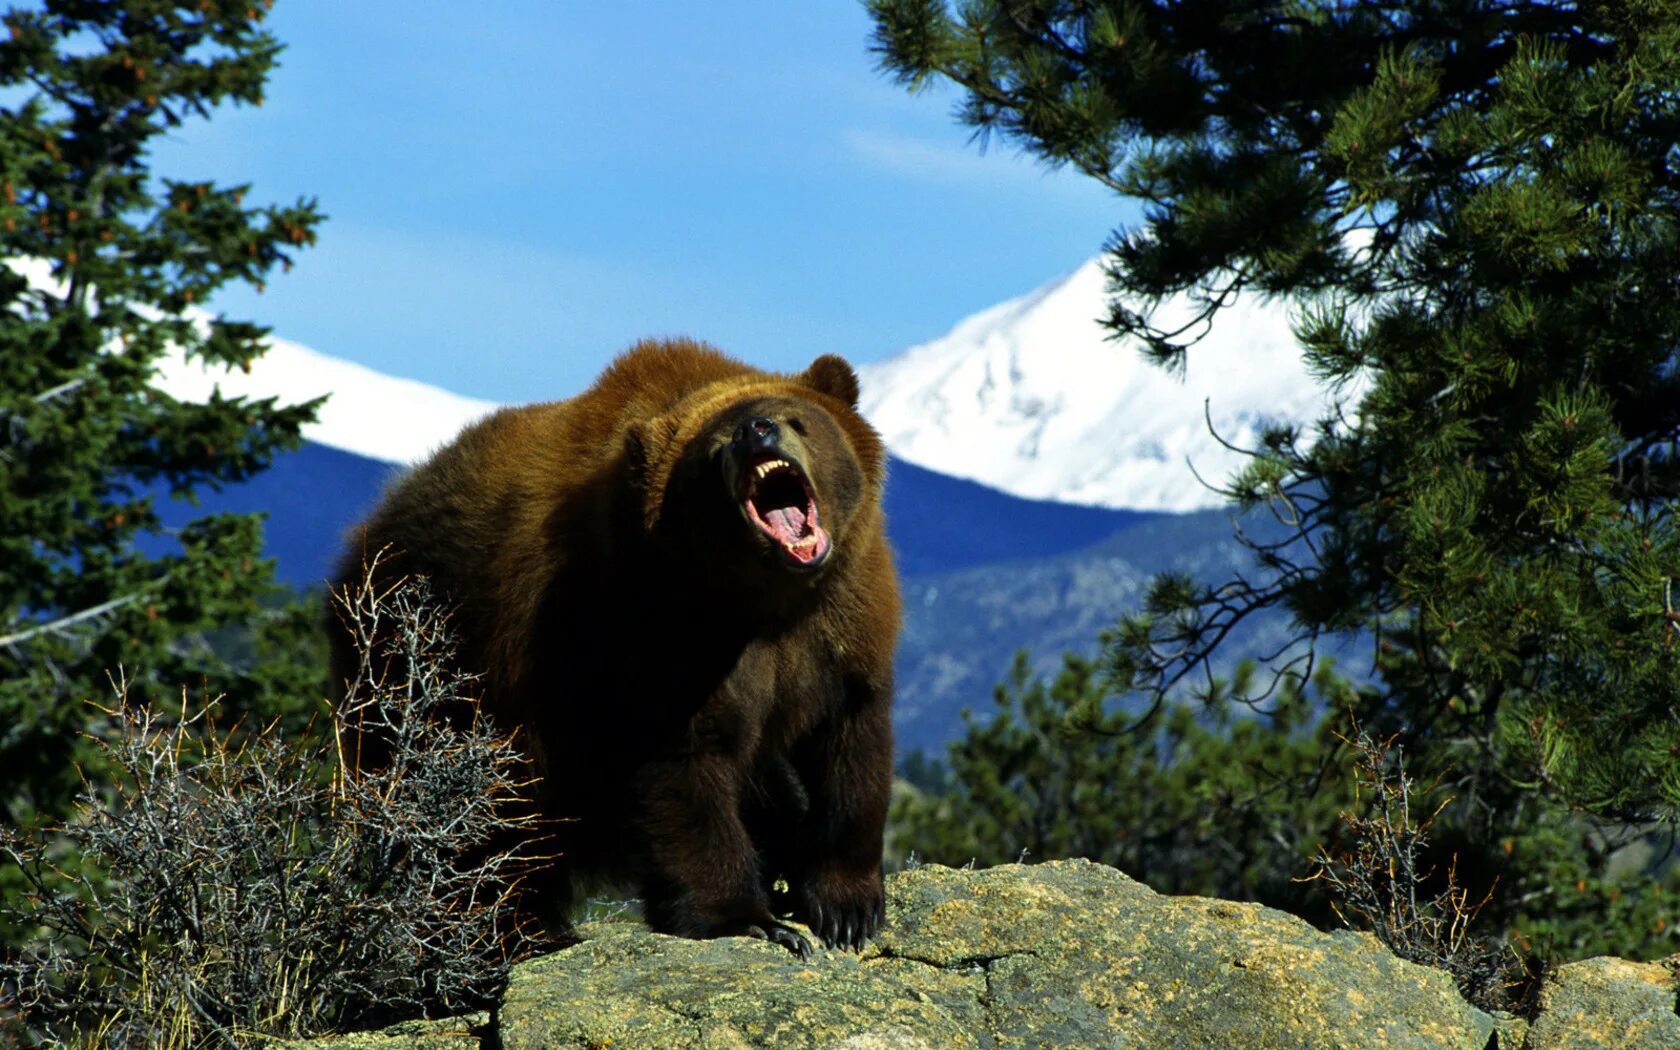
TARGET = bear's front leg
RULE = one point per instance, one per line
(702, 874)
(847, 769)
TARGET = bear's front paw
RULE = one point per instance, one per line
(768, 929)
(844, 912)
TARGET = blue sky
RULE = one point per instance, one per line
(519, 189)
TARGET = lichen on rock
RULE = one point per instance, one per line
(1079, 954)
(1608, 1002)
(1061, 954)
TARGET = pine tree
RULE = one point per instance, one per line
(1474, 205)
(105, 268)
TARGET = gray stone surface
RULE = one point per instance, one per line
(1606, 1002)
(1054, 955)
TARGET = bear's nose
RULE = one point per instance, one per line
(757, 432)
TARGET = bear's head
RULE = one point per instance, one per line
(779, 469)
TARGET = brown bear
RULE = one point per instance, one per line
(677, 589)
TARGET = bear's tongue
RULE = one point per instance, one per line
(790, 518)
(786, 523)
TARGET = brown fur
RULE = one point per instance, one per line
(706, 719)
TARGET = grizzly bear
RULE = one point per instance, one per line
(677, 590)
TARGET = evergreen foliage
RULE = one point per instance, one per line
(1486, 197)
(1474, 206)
(101, 267)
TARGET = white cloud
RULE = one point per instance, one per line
(950, 162)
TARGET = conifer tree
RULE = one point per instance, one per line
(1209, 804)
(1474, 204)
(102, 269)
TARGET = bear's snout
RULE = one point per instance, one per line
(757, 433)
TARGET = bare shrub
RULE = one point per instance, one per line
(264, 887)
(1379, 880)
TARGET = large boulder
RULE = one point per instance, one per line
(1056, 955)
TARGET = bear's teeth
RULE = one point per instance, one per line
(767, 467)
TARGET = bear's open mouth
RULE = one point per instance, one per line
(778, 499)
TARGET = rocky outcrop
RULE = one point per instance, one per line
(1608, 1002)
(1064, 954)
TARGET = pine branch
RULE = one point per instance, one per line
(60, 390)
(64, 623)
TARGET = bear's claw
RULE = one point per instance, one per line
(782, 934)
(846, 925)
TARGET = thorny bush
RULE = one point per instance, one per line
(1383, 882)
(264, 887)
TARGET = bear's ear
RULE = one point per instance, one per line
(638, 444)
(635, 443)
(645, 440)
(831, 375)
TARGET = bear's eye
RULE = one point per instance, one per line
(797, 424)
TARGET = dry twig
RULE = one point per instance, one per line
(251, 885)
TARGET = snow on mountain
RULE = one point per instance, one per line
(1031, 397)
(369, 413)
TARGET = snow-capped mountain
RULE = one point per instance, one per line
(373, 424)
(370, 413)
(1030, 397)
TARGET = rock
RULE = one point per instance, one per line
(1061, 954)
(1608, 1003)
(1078, 954)
(625, 987)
